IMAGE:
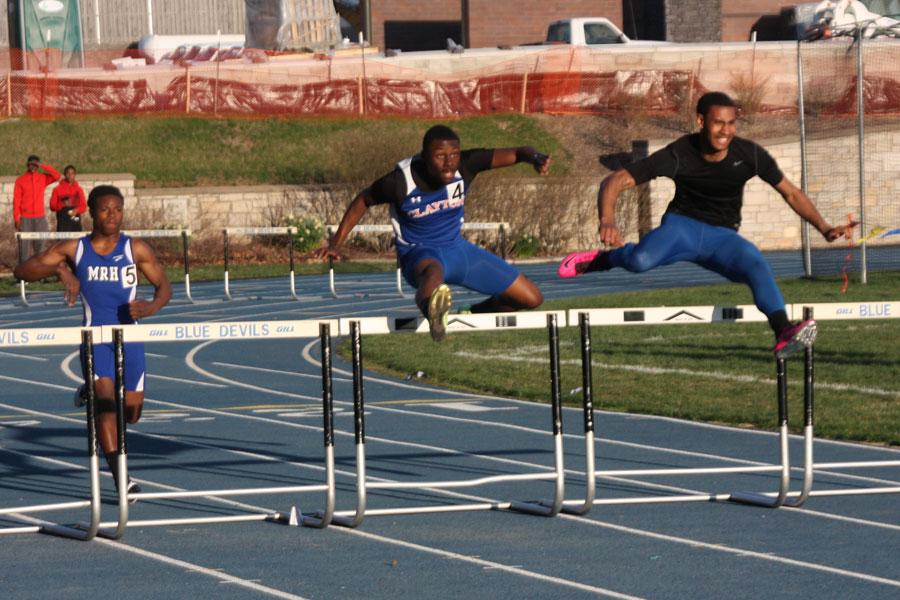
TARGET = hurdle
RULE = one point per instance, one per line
(782, 497)
(288, 231)
(184, 234)
(79, 531)
(501, 228)
(355, 517)
(225, 330)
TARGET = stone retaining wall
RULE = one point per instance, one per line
(559, 211)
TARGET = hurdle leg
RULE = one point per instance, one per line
(323, 518)
(356, 517)
(291, 232)
(225, 245)
(121, 447)
(400, 282)
(331, 287)
(779, 498)
(187, 268)
(808, 437)
(86, 532)
(543, 507)
(580, 507)
(22, 293)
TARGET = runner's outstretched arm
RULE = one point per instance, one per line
(803, 206)
(610, 188)
(50, 262)
(351, 217)
(506, 157)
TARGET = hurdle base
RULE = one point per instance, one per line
(756, 499)
(542, 508)
(76, 531)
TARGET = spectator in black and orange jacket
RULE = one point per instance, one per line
(68, 202)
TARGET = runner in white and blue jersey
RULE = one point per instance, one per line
(427, 195)
(104, 267)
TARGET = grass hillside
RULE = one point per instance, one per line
(179, 152)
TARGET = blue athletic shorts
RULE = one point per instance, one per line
(135, 364)
(464, 264)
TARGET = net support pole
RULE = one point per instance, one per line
(861, 133)
(804, 167)
(359, 430)
(185, 242)
(323, 518)
(225, 247)
(544, 507)
(580, 507)
(502, 242)
(86, 532)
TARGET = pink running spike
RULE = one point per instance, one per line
(567, 268)
(795, 338)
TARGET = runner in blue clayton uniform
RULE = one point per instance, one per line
(106, 265)
(710, 169)
(427, 194)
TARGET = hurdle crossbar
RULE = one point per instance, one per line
(502, 228)
(353, 518)
(232, 231)
(234, 330)
(184, 234)
(58, 337)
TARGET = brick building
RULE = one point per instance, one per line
(426, 24)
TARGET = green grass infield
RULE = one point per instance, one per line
(718, 373)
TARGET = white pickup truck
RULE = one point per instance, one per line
(590, 31)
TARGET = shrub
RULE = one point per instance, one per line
(310, 233)
(526, 246)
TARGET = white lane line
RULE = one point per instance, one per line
(382, 539)
(189, 359)
(487, 564)
(24, 356)
(195, 568)
(639, 483)
(67, 370)
(307, 355)
(716, 547)
(66, 388)
(645, 369)
(215, 573)
(471, 407)
(277, 371)
(187, 381)
(741, 552)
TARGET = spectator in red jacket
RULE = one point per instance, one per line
(28, 203)
(68, 202)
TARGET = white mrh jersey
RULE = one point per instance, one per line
(108, 282)
(428, 218)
